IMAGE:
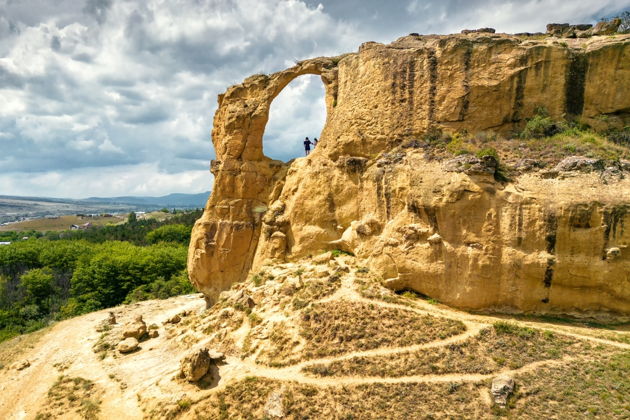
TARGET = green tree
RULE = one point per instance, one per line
(170, 233)
(39, 288)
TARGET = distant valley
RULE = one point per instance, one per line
(14, 208)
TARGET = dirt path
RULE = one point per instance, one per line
(67, 349)
(291, 373)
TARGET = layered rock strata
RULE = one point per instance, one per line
(535, 244)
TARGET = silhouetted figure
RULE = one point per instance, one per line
(307, 146)
(315, 142)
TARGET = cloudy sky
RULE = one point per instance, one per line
(116, 97)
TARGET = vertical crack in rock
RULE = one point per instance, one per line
(467, 58)
(551, 230)
(433, 76)
(519, 95)
(519, 225)
(575, 84)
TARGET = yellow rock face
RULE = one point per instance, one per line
(534, 245)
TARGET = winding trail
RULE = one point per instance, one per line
(240, 369)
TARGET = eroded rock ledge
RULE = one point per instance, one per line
(535, 244)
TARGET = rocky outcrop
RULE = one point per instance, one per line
(448, 230)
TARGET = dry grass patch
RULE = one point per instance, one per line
(312, 290)
(370, 288)
(333, 328)
(278, 349)
(502, 346)
(71, 395)
(247, 400)
(595, 389)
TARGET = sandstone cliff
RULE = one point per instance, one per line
(535, 244)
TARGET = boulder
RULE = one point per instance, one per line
(274, 407)
(136, 329)
(153, 334)
(557, 29)
(128, 345)
(502, 387)
(607, 27)
(196, 365)
(579, 163)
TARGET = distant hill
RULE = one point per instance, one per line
(170, 200)
(13, 208)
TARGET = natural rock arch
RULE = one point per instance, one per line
(227, 234)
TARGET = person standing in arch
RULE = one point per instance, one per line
(307, 146)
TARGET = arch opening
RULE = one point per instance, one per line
(297, 112)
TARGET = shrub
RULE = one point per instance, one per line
(541, 126)
(488, 151)
(457, 146)
(621, 137)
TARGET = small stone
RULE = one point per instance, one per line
(502, 387)
(175, 319)
(613, 253)
(435, 239)
(322, 258)
(153, 334)
(216, 355)
(128, 345)
(23, 365)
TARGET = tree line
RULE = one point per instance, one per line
(58, 275)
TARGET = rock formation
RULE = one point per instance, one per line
(448, 230)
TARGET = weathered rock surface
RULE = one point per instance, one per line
(532, 244)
